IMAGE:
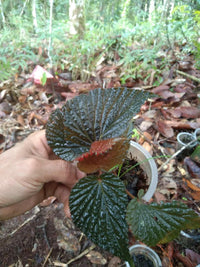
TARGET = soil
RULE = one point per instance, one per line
(45, 237)
(142, 261)
(134, 179)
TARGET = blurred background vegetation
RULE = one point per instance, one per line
(78, 35)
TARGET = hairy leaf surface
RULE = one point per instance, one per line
(159, 223)
(98, 207)
(100, 115)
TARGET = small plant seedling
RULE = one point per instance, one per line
(95, 130)
(136, 134)
(44, 78)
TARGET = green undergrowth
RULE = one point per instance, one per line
(137, 47)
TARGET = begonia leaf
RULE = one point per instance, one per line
(159, 223)
(98, 208)
(100, 115)
(103, 155)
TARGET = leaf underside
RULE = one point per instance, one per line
(103, 155)
(100, 115)
(97, 206)
(159, 223)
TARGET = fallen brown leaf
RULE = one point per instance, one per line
(96, 258)
(148, 147)
(165, 129)
(5, 107)
(189, 112)
(183, 124)
(185, 260)
(195, 193)
(20, 120)
(193, 256)
(159, 197)
(192, 167)
(160, 88)
(115, 261)
(145, 125)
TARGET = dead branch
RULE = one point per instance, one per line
(193, 78)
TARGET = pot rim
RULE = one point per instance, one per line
(147, 250)
(185, 134)
(153, 170)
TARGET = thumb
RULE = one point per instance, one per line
(59, 171)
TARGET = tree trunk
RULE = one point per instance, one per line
(124, 12)
(77, 17)
(50, 33)
(151, 9)
(35, 25)
(24, 6)
(2, 14)
(172, 7)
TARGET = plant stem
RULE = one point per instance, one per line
(129, 194)
(177, 153)
(129, 169)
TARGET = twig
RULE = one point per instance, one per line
(188, 76)
(25, 222)
(48, 255)
(82, 254)
(129, 194)
(175, 154)
(60, 264)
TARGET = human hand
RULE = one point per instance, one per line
(30, 172)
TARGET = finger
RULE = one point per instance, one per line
(20, 207)
(62, 194)
(38, 143)
(59, 171)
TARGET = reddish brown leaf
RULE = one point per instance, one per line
(40, 120)
(165, 129)
(195, 191)
(68, 95)
(182, 88)
(176, 113)
(104, 155)
(159, 197)
(22, 99)
(185, 260)
(31, 90)
(5, 107)
(160, 88)
(182, 124)
(2, 114)
(20, 120)
(165, 94)
(189, 112)
(193, 256)
(115, 261)
(192, 167)
(191, 185)
(76, 87)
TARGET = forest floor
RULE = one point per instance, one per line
(44, 236)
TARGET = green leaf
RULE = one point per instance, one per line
(44, 78)
(159, 223)
(196, 154)
(100, 115)
(98, 206)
